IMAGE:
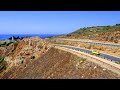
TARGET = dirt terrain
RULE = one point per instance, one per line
(58, 64)
(22, 52)
(26, 49)
(101, 48)
(111, 36)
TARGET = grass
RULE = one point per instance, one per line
(5, 42)
(95, 29)
(107, 33)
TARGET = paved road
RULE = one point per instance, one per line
(114, 45)
(109, 57)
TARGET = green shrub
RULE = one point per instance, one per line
(117, 24)
(3, 66)
(5, 42)
(1, 59)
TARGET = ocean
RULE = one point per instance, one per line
(5, 37)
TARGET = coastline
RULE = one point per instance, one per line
(6, 36)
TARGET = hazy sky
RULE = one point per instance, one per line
(53, 22)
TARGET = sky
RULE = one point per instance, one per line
(54, 22)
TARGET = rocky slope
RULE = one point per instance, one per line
(24, 51)
(58, 64)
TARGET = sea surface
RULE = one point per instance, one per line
(6, 36)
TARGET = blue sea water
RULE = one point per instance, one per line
(5, 37)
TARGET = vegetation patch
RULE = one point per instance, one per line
(2, 64)
(102, 33)
(117, 62)
(1, 59)
(5, 42)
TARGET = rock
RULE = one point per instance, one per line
(95, 67)
(77, 64)
(104, 69)
(27, 48)
(82, 76)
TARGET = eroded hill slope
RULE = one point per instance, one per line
(58, 64)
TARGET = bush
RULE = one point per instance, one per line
(112, 38)
(116, 41)
(1, 59)
(33, 57)
(46, 48)
(3, 66)
(117, 24)
(5, 42)
(68, 35)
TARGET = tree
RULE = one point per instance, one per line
(21, 38)
(117, 24)
(10, 38)
(18, 37)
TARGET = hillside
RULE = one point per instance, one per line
(101, 33)
(58, 64)
(22, 52)
(35, 58)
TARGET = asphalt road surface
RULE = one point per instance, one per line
(105, 56)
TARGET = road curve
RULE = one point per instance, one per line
(107, 44)
(108, 57)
